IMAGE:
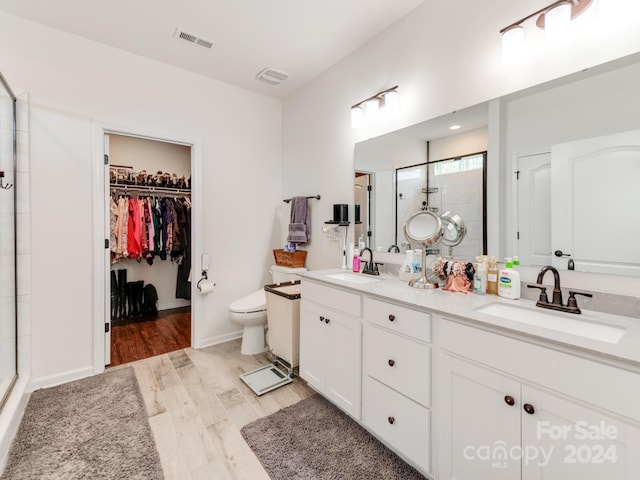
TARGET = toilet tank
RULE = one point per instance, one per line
(285, 274)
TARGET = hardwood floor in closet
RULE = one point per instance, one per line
(133, 339)
(197, 405)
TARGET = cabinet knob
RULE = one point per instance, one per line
(509, 400)
(529, 408)
(392, 362)
(321, 319)
(326, 320)
(392, 317)
(391, 420)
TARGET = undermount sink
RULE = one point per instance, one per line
(579, 325)
(353, 277)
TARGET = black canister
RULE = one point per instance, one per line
(356, 213)
(340, 212)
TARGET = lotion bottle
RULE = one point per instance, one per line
(509, 281)
(492, 278)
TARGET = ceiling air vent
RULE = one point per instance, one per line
(272, 76)
(191, 38)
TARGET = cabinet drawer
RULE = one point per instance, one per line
(399, 319)
(402, 424)
(400, 363)
(349, 303)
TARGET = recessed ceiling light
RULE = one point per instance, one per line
(454, 127)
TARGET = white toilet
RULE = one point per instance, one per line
(251, 311)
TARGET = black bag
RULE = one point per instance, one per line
(150, 300)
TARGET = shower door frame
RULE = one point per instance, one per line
(5, 395)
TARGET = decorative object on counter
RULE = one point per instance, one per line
(457, 275)
(423, 228)
(300, 221)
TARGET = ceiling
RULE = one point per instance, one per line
(300, 37)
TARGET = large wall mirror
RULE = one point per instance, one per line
(568, 166)
(429, 165)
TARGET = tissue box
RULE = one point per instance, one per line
(290, 259)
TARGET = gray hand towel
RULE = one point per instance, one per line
(300, 224)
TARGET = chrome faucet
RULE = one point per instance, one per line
(370, 268)
(556, 304)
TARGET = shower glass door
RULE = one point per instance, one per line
(8, 276)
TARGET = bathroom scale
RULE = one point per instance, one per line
(265, 379)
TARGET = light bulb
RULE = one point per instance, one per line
(513, 44)
(357, 117)
(391, 101)
(557, 24)
(373, 107)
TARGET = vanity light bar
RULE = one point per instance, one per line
(368, 109)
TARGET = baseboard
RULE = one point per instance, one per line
(177, 303)
(207, 342)
(54, 380)
(11, 416)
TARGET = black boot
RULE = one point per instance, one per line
(122, 284)
(115, 296)
(132, 299)
(140, 296)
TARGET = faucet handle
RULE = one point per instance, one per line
(543, 292)
(375, 268)
(572, 303)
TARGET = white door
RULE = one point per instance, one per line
(533, 186)
(480, 428)
(107, 257)
(595, 198)
(567, 440)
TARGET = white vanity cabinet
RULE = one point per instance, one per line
(513, 410)
(331, 344)
(397, 379)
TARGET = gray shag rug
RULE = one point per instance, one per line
(93, 428)
(312, 439)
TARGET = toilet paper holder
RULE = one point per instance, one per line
(207, 286)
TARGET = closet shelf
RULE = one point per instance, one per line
(150, 189)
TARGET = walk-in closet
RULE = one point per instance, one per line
(149, 247)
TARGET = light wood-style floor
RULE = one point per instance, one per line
(197, 405)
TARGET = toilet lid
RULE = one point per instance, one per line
(255, 302)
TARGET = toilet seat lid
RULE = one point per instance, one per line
(255, 302)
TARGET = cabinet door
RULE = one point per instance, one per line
(479, 426)
(312, 345)
(344, 362)
(563, 440)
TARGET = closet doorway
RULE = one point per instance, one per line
(149, 202)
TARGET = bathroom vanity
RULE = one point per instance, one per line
(475, 387)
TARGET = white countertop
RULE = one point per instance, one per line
(466, 306)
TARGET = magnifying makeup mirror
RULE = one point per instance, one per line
(454, 230)
(424, 228)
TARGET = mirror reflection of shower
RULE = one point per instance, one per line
(8, 242)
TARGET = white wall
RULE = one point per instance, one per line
(72, 82)
(444, 56)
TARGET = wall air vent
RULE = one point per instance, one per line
(192, 38)
(272, 76)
